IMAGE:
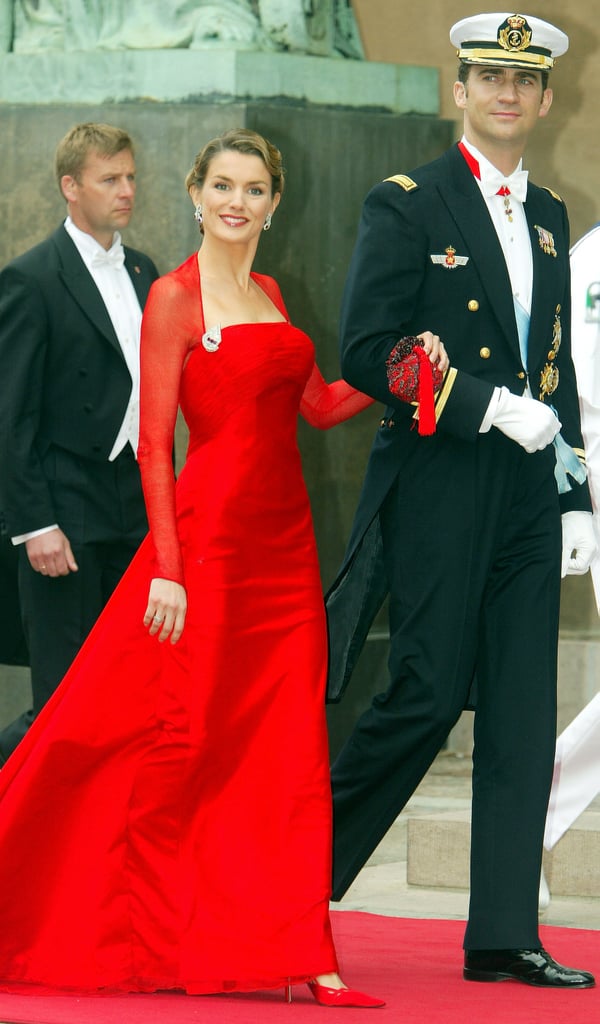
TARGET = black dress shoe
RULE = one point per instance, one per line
(533, 966)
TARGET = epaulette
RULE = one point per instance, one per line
(554, 194)
(403, 181)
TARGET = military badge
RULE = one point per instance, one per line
(546, 240)
(556, 334)
(449, 259)
(514, 34)
(548, 380)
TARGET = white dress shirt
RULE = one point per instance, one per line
(513, 235)
(118, 294)
(514, 239)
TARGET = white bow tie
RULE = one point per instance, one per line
(114, 257)
(492, 181)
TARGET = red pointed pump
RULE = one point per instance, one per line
(325, 996)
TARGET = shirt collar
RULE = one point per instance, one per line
(489, 177)
(86, 244)
(484, 163)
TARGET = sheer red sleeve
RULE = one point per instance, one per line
(323, 405)
(165, 342)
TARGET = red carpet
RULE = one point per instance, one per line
(387, 956)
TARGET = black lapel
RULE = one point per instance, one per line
(548, 271)
(79, 282)
(140, 277)
(466, 205)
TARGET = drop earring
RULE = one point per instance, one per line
(267, 223)
(198, 213)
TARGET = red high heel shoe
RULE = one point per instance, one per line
(343, 997)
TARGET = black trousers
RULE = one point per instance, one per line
(13, 648)
(101, 510)
(472, 541)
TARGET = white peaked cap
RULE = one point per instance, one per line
(516, 40)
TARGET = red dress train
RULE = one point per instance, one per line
(166, 822)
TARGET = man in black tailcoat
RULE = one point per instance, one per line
(70, 489)
(465, 528)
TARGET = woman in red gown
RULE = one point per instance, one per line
(166, 822)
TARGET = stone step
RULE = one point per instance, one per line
(438, 854)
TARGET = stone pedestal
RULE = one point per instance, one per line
(183, 76)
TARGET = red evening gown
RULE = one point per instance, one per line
(166, 822)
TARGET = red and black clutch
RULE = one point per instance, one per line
(413, 378)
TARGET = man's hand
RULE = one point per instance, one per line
(578, 544)
(50, 554)
(525, 420)
(433, 346)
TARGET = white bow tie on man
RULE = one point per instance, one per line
(113, 257)
(493, 182)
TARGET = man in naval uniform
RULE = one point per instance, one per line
(467, 526)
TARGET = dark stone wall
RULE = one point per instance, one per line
(166, 137)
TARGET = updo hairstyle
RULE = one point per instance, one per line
(239, 140)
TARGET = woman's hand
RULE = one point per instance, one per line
(165, 614)
(435, 350)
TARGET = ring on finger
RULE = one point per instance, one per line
(158, 619)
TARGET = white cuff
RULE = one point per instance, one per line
(35, 533)
(490, 413)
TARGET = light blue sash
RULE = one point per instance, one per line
(566, 462)
(566, 459)
(522, 318)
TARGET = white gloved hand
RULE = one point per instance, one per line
(530, 423)
(578, 543)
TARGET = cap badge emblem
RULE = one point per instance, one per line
(514, 34)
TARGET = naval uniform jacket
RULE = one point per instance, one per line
(428, 257)
(65, 382)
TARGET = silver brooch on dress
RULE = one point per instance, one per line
(211, 339)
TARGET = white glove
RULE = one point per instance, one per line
(525, 420)
(578, 543)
